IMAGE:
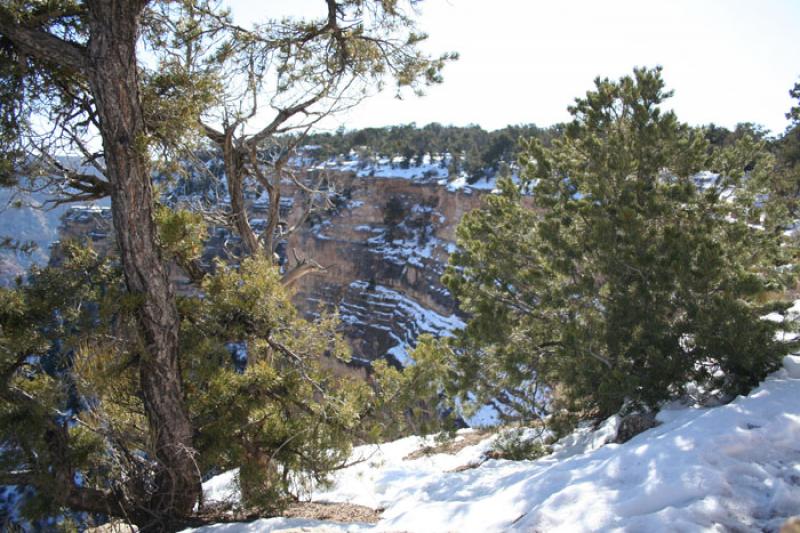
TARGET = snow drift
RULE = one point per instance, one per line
(734, 467)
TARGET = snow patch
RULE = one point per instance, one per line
(730, 468)
(791, 363)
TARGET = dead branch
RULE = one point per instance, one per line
(303, 268)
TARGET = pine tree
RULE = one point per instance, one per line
(617, 280)
(258, 396)
(79, 62)
(75, 64)
(784, 182)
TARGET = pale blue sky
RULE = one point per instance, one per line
(525, 61)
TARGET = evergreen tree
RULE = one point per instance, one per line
(784, 182)
(473, 164)
(75, 65)
(617, 280)
(257, 393)
(794, 112)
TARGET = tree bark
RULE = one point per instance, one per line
(234, 170)
(274, 210)
(112, 75)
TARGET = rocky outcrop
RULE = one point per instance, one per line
(82, 223)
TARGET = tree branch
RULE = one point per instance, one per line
(284, 115)
(23, 478)
(303, 268)
(299, 272)
(42, 45)
(216, 136)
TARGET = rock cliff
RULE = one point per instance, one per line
(385, 246)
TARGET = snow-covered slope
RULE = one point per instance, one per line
(432, 169)
(730, 468)
(26, 224)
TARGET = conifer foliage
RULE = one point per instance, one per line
(618, 279)
(257, 393)
(70, 75)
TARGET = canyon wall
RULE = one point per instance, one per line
(384, 247)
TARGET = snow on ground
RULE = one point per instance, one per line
(412, 172)
(790, 321)
(431, 169)
(435, 169)
(426, 320)
(222, 488)
(734, 467)
(483, 184)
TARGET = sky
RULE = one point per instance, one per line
(524, 61)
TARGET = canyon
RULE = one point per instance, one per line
(385, 250)
(383, 247)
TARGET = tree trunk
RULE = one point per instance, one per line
(114, 27)
(274, 213)
(234, 170)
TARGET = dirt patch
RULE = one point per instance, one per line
(116, 526)
(633, 424)
(452, 446)
(468, 466)
(337, 512)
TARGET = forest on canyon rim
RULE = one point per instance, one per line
(599, 276)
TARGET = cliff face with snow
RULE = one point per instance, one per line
(386, 248)
(26, 219)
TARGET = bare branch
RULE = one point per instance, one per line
(24, 478)
(600, 358)
(216, 136)
(310, 207)
(297, 273)
(88, 184)
(303, 268)
(284, 115)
